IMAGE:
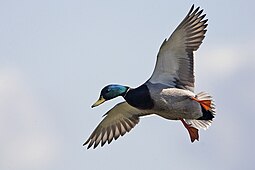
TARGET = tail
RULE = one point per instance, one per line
(208, 110)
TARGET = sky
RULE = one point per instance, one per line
(55, 56)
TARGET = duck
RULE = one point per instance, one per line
(168, 93)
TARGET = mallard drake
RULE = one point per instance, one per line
(168, 93)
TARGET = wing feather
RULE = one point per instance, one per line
(174, 66)
(119, 120)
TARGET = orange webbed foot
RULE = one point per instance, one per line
(206, 104)
(193, 132)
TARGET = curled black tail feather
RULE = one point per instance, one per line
(207, 114)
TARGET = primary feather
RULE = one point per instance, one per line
(174, 66)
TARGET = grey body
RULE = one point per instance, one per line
(173, 103)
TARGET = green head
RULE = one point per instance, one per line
(109, 92)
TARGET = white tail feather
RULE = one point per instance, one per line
(203, 124)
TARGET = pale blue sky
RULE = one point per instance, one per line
(55, 56)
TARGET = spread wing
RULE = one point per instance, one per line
(174, 66)
(119, 120)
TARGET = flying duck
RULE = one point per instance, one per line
(168, 93)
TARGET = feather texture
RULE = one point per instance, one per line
(119, 120)
(174, 66)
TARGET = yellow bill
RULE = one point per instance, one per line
(98, 102)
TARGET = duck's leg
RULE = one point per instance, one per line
(193, 132)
